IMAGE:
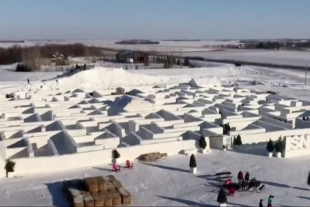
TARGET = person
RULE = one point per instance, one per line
(261, 203)
(231, 190)
(270, 200)
(227, 182)
(244, 185)
(240, 176)
(28, 81)
(247, 176)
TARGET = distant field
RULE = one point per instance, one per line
(163, 46)
(292, 58)
(195, 49)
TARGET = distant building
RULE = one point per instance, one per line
(129, 56)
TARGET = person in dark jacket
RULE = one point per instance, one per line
(261, 203)
(247, 176)
(240, 176)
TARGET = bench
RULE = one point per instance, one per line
(222, 175)
(188, 151)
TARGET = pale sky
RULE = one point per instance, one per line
(156, 19)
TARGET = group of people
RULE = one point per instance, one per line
(269, 201)
(247, 184)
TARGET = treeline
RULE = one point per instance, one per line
(263, 45)
(22, 54)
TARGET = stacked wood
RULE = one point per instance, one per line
(88, 200)
(98, 199)
(125, 195)
(101, 184)
(91, 185)
(152, 156)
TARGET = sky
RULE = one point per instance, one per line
(154, 19)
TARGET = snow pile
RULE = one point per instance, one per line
(107, 78)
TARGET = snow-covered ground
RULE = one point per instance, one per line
(168, 182)
(287, 82)
(291, 58)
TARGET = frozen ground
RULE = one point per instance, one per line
(168, 182)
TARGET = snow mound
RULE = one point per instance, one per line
(213, 81)
(107, 78)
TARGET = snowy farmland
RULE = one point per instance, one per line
(63, 108)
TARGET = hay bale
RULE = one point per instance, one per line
(91, 185)
(117, 184)
(88, 200)
(78, 201)
(73, 192)
(98, 199)
(125, 195)
(117, 200)
(114, 197)
(110, 186)
(108, 201)
(101, 184)
(110, 178)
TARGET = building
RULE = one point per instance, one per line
(129, 56)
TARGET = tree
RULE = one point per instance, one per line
(238, 140)
(221, 198)
(9, 166)
(270, 146)
(228, 127)
(202, 142)
(192, 161)
(279, 145)
(225, 129)
(308, 180)
(116, 154)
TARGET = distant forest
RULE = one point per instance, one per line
(20, 54)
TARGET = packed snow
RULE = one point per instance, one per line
(169, 182)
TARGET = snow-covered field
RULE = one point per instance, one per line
(163, 46)
(168, 182)
(291, 58)
(287, 82)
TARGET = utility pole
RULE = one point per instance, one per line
(306, 73)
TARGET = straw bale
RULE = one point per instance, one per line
(91, 185)
(88, 200)
(125, 195)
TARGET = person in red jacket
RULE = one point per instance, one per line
(240, 176)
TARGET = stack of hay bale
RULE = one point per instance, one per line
(97, 191)
(149, 157)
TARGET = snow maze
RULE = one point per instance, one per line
(55, 130)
